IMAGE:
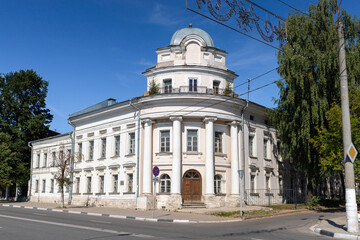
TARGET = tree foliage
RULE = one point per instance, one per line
(153, 87)
(329, 140)
(23, 118)
(308, 64)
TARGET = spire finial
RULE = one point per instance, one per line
(190, 25)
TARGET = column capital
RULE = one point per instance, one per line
(235, 122)
(176, 118)
(210, 119)
(147, 120)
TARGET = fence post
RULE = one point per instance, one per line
(295, 198)
(269, 197)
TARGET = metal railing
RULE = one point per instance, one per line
(196, 89)
(268, 197)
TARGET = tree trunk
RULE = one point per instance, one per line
(62, 197)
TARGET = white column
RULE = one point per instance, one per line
(234, 158)
(209, 153)
(176, 154)
(147, 181)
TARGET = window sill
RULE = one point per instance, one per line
(254, 194)
(192, 153)
(220, 194)
(163, 193)
(267, 159)
(87, 193)
(163, 154)
(269, 194)
(220, 154)
(76, 194)
(128, 193)
(130, 155)
(101, 159)
(99, 193)
(253, 157)
(115, 156)
(89, 160)
(114, 193)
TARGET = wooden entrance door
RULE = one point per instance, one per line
(192, 186)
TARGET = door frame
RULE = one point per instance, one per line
(200, 182)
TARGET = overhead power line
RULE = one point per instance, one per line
(292, 7)
(256, 77)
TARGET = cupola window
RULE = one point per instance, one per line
(168, 86)
(216, 85)
(192, 85)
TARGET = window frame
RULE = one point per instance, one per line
(103, 148)
(218, 141)
(116, 145)
(167, 141)
(132, 143)
(167, 86)
(217, 184)
(165, 183)
(91, 150)
(192, 145)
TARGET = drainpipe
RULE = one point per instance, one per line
(31, 170)
(72, 137)
(137, 151)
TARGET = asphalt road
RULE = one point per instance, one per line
(29, 224)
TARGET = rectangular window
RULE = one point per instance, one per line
(43, 185)
(131, 143)
(101, 184)
(130, 183)
(88, 189)
(91, 150)
(80, 152)
(37, 186)
(165, 141)
(192, 141)
(252, 184)
(266, 149)
(115, 183)
(103, 148)
(52, 183)
(216, 85)
(38, 161)
(218, 142)
(251, 145)
(77, 190)
(68, 153)
(45, 160)
(192, 85)
(267, 182)
(53, 159)
(117, 146)
(167, 86)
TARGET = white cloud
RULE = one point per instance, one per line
(162, 16)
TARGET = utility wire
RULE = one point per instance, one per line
(292, 7)
(252, 79)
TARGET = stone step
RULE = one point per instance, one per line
(193, 205)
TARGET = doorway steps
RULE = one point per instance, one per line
(193, 205)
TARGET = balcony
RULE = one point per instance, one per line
(195, 90)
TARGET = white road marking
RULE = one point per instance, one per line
(99, 221)
(78, 227)
(40, 214)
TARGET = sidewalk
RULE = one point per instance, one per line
(335, 227)
(190, 215)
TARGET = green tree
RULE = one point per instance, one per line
(308, 64)
(6, 155)
(329, 140)
(228, 89)
(153, 87)
(24, 117)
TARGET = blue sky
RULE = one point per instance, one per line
(91, 50)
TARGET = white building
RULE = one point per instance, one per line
(192, 130)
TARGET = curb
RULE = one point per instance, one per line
(276, 214)
(117, 216)
(332, 234)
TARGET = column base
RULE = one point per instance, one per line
(233, 201)
(145, 202)
(212, 201)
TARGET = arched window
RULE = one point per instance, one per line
(217, 184)
(165, 183)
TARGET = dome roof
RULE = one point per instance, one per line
(180, 34)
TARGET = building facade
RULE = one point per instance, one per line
(192, 126)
